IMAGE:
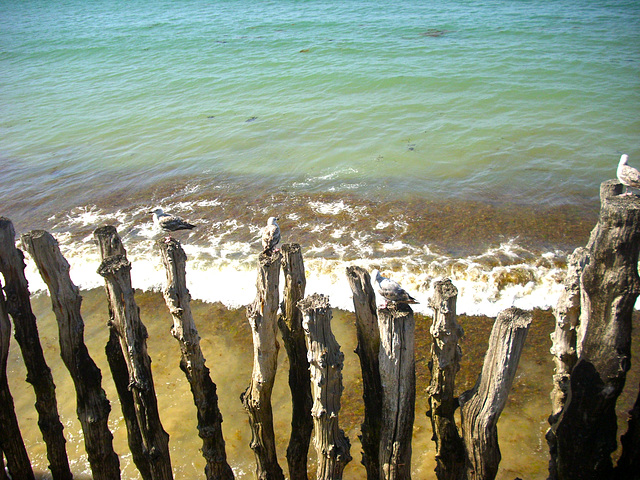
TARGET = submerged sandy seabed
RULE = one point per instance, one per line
(226, 343)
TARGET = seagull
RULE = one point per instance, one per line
(628, 176)
(270, 235)
(169, 223)
(390, 290)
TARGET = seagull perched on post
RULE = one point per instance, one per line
(390, 290)
(169, 223)
(270, 235)
(628, 176)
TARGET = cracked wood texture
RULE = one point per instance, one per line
(262, 316)
(132, 335)
(92, 405)
(584, 434)
(18, 305)
(290, 324)
(192, 362)
(444, 365)
(326, 360)
(482, 405)
(364, 303)
(398, 377)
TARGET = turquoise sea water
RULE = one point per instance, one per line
(410, 135)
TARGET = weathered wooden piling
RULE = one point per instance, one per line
(584, 434)
(262, 316)
(109, 243)
(132, 335)
(398, 377)
(482, 405)
(192, 362)
(444, 365)
(11, 443)
(326, 360)
(26, 332)
(368, 348)
(290, 324)
(92, 405)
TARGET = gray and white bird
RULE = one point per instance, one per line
(169, 223)
(628, 176)
(270, 235)
(390, 290)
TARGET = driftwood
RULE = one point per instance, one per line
(109, 243)
(192, 363)
(482, 405)
(132, 335)
(398, 377)
(92, 405)
(290, 324)
(26, 332)
(444, 365)
(11, 443)
(583, 436)
(257, 397)
(326, 360)
(364, 302)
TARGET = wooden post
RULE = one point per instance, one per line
(109, 244)
(192, 363)
(326, 360)
(398, 376)
(92, 405)
(364, 302)
(482, 405)
(26, 332)
(11, 442)
(257, 397)
(290, 324)
(444, 365)
(585, 433)
(132, 334)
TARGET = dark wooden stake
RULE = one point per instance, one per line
(26, 332)
(398, 376)
(92, 405)
(262, 316)
(584, 435)
(11, 442)
(109, 244)
(290, 324)
(444, 365)
(132, 335)
(192, 363)
(364, 302)
(326, 360)
(482, 405)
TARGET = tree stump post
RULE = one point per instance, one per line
(92, 405)
(262, 316)
(482, 405)
(290, 324)
(326, 360)
(368, 348)
(132, 334)
(398, 377)
(192, 363)
(109, 243)
(11, 443)
(26, 332)
(584, 434)
(444, 365)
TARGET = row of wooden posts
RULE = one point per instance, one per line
(591, 345)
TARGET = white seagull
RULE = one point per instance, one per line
(169, 223)
(390, 290)
(270, 235)
(628, 176)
